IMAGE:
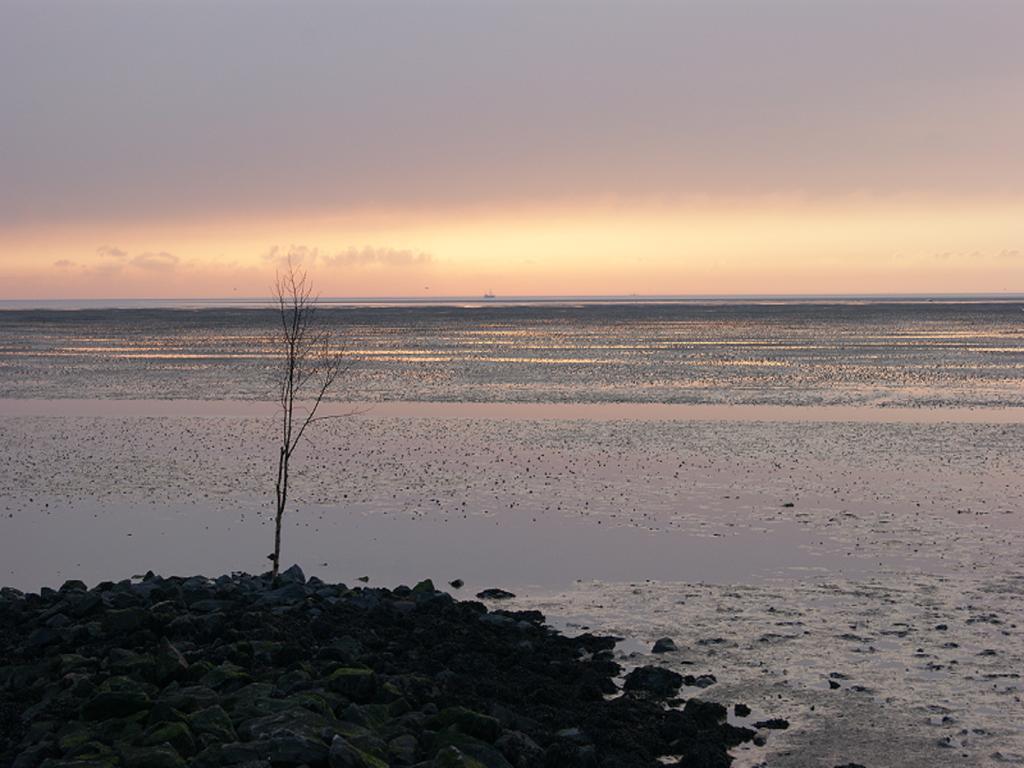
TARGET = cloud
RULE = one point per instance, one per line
(155, 261)
(298, 254)
(371, 256)
(63, 264)
(367, 256)
(109, 251)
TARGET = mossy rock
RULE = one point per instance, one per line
(131, 664)
(125, 620)
(452, 757)
(225, 678)
(314, 702)
(91, 750)
(345, 754)
(474, 724)
(153, 757)
(69, 662)
(74, 735)
(177, 735)
(424, 587)
(198, 670)
(213, 722)
(190, 699)
(114, 704)
(469, 747)
(356, 683)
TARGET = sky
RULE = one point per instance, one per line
(184, 149)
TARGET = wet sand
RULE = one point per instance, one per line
(777, 552)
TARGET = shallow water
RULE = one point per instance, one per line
(950, 354)
(798, 494)
(643, 528)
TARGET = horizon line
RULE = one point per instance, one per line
(540, 298)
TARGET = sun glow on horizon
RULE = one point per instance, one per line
(788, 247)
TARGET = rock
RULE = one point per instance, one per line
(169, 664)
(664, 645)
(456, 583)
(494, 594)
(474, 724)
(108, 704)
(177, 735)
(125, 621)
(153, 757)
(519, 749)
(213, 723)
(403, 749)
(286, 595)
(473, 753)
(226, 678)
(288, 748)
(238, 671)
(82, 605)
(741, 710)
(699, 681)
(356, 683)
(343, 754)
(575, 735)
(292, 575)
(773, 724)
(705, 714)
(425, 586)
(33, 756)
(655, 681)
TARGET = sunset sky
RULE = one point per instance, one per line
(181, 149)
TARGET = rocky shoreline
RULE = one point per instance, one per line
(242, 671)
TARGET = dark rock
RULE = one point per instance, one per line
(456, 583)
(213, 723)
(773, 724)
(169, 664)
(479, 726)
(153, 757)
(284, 595)
(356, 683)
(741, 710)
(176, 734)
(343, 754)
(655, 681)
(402, 750)
(239, 671)
(494, 594)
(109, 704)
(292, 575)
(519, 749)
(285, 748)
(425, 586)
(664, 645)
(125, 620)
(699, 681)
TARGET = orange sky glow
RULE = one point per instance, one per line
(767, 248)
(451, 148)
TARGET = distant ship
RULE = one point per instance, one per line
(489, 295)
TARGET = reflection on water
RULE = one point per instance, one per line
(913, 354)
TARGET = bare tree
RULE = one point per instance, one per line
(309, 368)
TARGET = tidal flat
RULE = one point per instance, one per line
(861, 579)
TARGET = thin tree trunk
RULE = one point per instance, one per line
(281, 493)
